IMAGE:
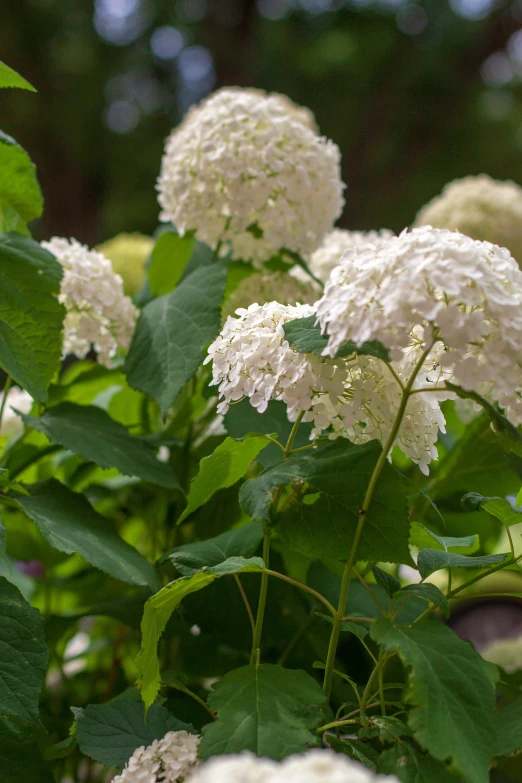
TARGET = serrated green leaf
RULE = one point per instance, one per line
(410, 765)
(503, 510)
(159, 608)
(421, 537)
(390, 584)
(358, 629)
(430, 560)
(239, 542)
(266, 709)
(110, 733)
(30, 314)
(385, 727)
(429, 592)
(21, 199)
(241, 418)
(453, 700)
(170, 256)
(305, 336)
(69, 523)
(355, 749)
(172, 333)
(90, 432)
(23, 656)
(508, 728)
(19, 757)
(226, 465)
(10, 78)
(338, 473)
(61, 749)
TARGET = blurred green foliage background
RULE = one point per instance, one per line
(414, 93)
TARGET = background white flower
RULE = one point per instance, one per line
(271, 286)
(480, 207)
(469, 291)
(98, 314)
(240, 768)
(334, 246)
(243, 167)
(21, 400)
(168, 760)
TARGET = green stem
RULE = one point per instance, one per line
(246, 602)
(291, 437)
(7, 386)
(254, 655)
(296, 258)
(194, 696)
(345, 583)
(310, 590)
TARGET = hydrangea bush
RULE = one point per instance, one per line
(241, 510)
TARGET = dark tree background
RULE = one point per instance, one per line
(414, 93)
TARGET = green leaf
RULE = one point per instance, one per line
(410, 765)
(241, 418)
(332, 479)
(172, 333)
(305, 336)
(23, 655)
(507, 433)
(21, 199)
(10, 78)
(30, 314)
(95, 436)
(159, 608)
(390, 584)
(61, 749)
(422, 537)
(69, 523)
(355, 749)
(3, 542)
(429, 592)
(503, 510)
(453, 700)
(226, 465)
(430, 560)
(508, 728)
(266, 709)
(239, 542)
(384, 727)
(358, 629)
(110, 733)
(19, 757)
(170, 256)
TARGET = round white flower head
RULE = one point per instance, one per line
(466, 294)
(98, 313)
(356, 397)
(506, 653)
(299, 113)
(241, 768)
(480, 207)
(171, 759)
(127, 254)
(324, 766)
(17, 399)
(338, 243)
(268, 287)
(242, 168)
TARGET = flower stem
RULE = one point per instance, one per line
(254, 655)
(291, 437)
(345, 583)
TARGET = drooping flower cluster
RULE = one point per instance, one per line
(98, 314)
(338, 243)
(270, 286)
(356, 397)
(315, 766)
(17, 399)
(244, 168)
(171, 759)
(465, 293)
(480, 207)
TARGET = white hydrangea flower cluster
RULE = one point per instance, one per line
(299, 113)
(335, 245)
(270, 286)
(98, 312)
(244, 168)
(17, 399)
(357, 397)
(480, 207)
(171, 759)
(315, 766)
(465, 293)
